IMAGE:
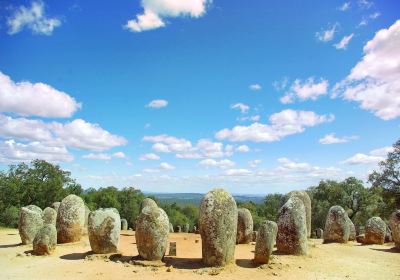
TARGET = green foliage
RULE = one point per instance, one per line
(180, 215)
(9, 217)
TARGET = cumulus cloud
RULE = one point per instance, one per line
(166, 166)
(345, 6)
(149, 156)
(328, 34)
(382, 152)
(332, 139)
(255, 87)
(342, 45)
(254, 163)
(35, 99)
(374, 82)
(33, 18)
(254, 118)
(243, 149)
(223, 163)
(103, 156)
(24, 129)
(373, 157)
(309, 89)
(242, 107)
(282, 124)
(155, 12)
(237, 172)
(157, 103)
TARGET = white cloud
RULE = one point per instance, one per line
(254, 163)
(24, 129)
(366, 19)
(332, 139)
(166, 166)
(382, 152)
(237, 172)
(87, 136)
(242, 107)
(224, 163)
(157, 103)
(33, 18)
(327, 34)
(243, 149)
(284, 123)
(254, 118)
(375, 80)
(342, 45)
(255, 87)
(38, 99)
(155, 12)
(365, 4)
(119, 155)
(149, 156)
(363, 159)
(103, 156)
(374, 15)
(13, 152)
(309, 89)
(344, 7)
(281, 85)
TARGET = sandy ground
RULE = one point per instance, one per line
(330, 261)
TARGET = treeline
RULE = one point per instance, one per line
(42, 183)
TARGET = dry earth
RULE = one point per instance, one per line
(73, 261)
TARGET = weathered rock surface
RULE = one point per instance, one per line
(375, 231)
(49, 216)
(265, 242)
(45, 241)
(124, 224)
(152, 227)
(292, 228)
(85, 227)
(352, 228)
(360, 238)
(148, 202)
(305, 198)
(29, 223)
(171, 228)
(56, 205)
(70, 219)
(394, 223)
(388, 236)
(244, 233)
(319, 233)
(337, 228)
(104, 228)
(218, 225)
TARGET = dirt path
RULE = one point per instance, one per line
(331, 261)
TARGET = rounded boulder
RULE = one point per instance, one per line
(70, 219)
(124, 224)
(29, 223)
(218, 226)
(148, 202)
(375, 231)
(244, 233)
(337, 229)
(45, 241)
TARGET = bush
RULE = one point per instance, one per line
(9, 218)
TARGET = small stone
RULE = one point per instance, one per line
(375, 231)
(170, 268)
(124, 224)
(29, 223)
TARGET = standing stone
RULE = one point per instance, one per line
(124, 224)
(388, 236)
(85, 227)
(394, 223)
(104, 228)
(148, 202)
(375, 231)
(49, 216)
(186, 228)
(56, 205)
(152, 227)
(265, 242)
(218, 225)
(178, 229)
(244, 233)
(337, 228)
(70, 219)
(319, 233)
(45, 241)
(292, 228)
(29, 223)
(305, 198)
(352, 228)
(172, 249)
(171, 228)
(254, 236)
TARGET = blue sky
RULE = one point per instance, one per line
(183, 96)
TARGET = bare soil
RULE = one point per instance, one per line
(75, 261)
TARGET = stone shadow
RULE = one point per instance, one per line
(76, 256)
(245, 263)
(10, 245)
(184, 263)
(388, 250)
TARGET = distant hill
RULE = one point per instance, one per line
(195, 198)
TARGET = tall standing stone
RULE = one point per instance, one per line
(29, 223)
(265, 242)
(292, 228)
(337, 228)
(375, 231)
(104, 228)
(305, 198)
(124, 224)
(152, 227)
(49, 216)
(148, 202)
(218, 225)
(45, 241)
(244, 233)
(70, 219)
(352, 228)
(394, 223)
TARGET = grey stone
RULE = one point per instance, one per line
(148, 202)
(337, 228)
(319, 233)
(394, 223)
(171, 228)
(104, 228)
(70, 219)
(292, 228)
(352, 228)
(244, 233)
(388, 236)
(152, 227)
(265, 242)
(45, 241)
(29, 223)
(85, 227)
(56, 205)
(254, 236)
(124, 224)
(218, 225)
(49, 216)
(375, 231)
(305, 198)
